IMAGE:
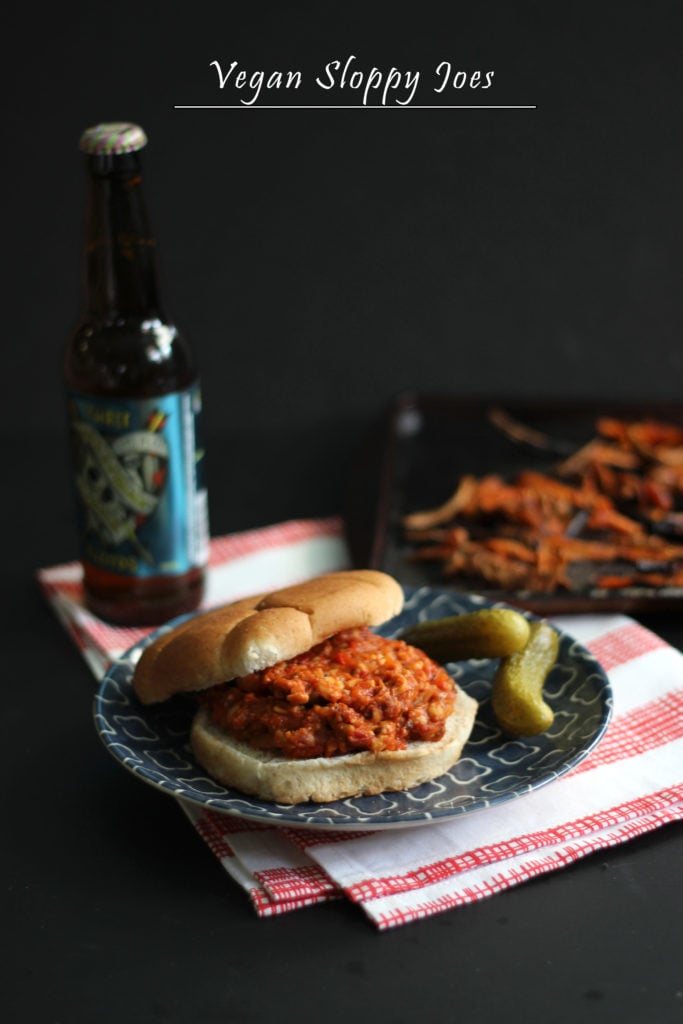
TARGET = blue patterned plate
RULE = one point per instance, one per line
(152, 742)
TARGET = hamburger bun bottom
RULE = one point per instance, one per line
(323, 779)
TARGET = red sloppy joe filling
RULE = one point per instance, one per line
(355, 691)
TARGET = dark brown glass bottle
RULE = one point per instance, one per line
(134, 408)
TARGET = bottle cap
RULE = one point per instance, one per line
(112, 138)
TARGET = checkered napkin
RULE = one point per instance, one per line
(630, 784)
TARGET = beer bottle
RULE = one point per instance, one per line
(134, 407)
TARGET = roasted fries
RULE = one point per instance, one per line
(608, 516)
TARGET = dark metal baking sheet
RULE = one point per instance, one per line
(429, 441)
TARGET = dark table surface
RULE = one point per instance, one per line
(114, 910)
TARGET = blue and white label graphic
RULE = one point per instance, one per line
(140, 483)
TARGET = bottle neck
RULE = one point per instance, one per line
(120, 272)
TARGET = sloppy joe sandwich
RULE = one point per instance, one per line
(298, 699)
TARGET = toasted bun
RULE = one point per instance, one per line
(260, 631)
(287, 781)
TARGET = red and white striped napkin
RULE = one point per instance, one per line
(630, 784)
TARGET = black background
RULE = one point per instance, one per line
(322, 261)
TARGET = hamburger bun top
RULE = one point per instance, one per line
(257, 632)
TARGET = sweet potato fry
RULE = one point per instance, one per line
(444, 513)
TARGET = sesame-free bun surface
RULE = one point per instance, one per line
(260, 631)
(322, 779)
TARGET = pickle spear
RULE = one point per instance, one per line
(488, 633)
(517, 695)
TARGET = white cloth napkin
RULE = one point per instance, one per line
(630, 784)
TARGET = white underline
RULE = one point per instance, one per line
(369, 106)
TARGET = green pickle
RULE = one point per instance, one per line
(488, 633)
(517, 695)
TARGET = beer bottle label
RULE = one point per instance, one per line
(139, 480)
